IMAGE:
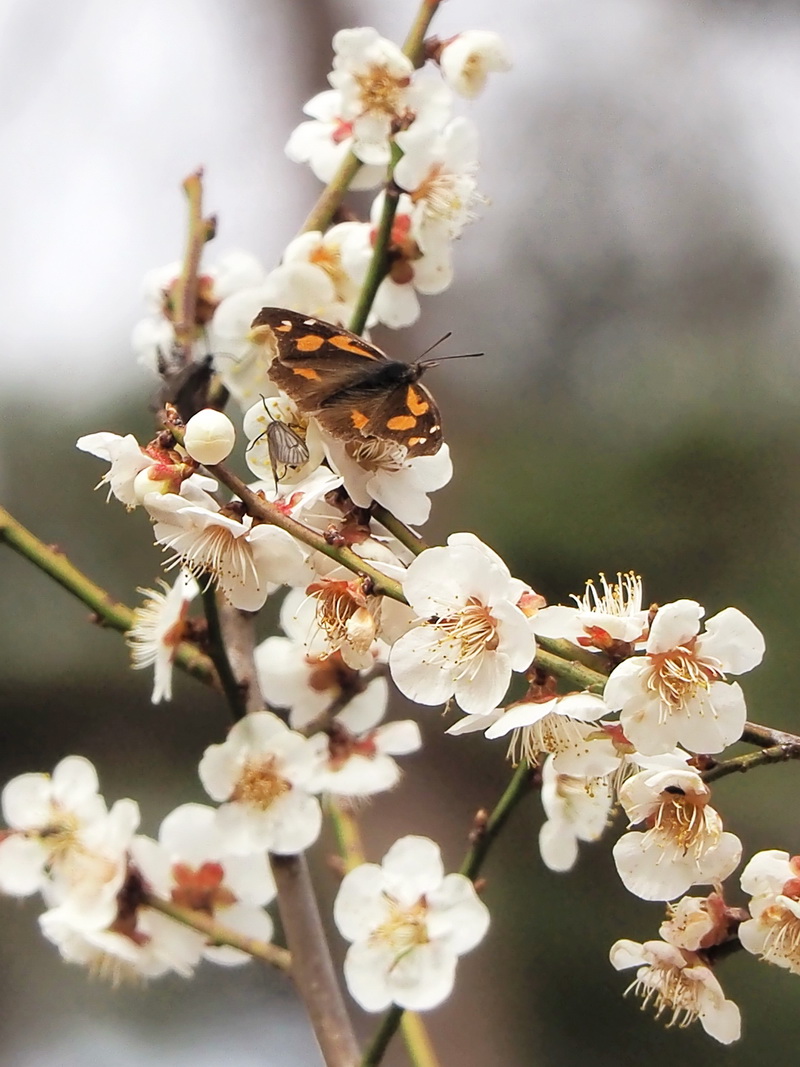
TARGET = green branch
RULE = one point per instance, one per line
(379, 264)
(108, 612)
(219, 934)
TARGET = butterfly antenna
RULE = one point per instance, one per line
(454, 355)
(434, 345)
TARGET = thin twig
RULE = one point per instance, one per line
(200, 230)
(260, 508)
(379, 264)
(219, 934)
(321, 214)
(398, 529)
(766, 737)
(571, 671)
(773, 754)
(108, 612)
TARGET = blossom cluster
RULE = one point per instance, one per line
(640, 708)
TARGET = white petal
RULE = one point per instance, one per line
(558, 847)
(734, 640)
(22, 862)
(675, 624)
(412, 867)
(360, 906)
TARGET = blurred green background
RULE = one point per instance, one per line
(634, 284)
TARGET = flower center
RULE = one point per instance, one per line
(260, 784)
(380, 91)
(375, 455)
(687, 822)
(344, 614)
(473, 631)
(552, 733)
(782, 943)
(677, 675)
(405, 926)
(667, 988)
(201, 888)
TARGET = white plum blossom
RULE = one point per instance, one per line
(64, 843)
(468, 59)
(408, 923)
(154, 335)
(378, 89)
(324, 252)
(310, 685)
(560, 725)
(191, 866)
(772, 879)
(683, 843)
(360, 764)
(141, 943)
(159, 626)
(577, 809)
(135, 471)
(410, 270)
(677, 693)
(470, 634)
(611, 613)
(680, 985)
(381, 471)
(245, 558)
(438, 171)
(259, 775)
(696, 923)
(325, 140)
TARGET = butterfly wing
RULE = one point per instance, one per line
(316, 360)
(352, 388)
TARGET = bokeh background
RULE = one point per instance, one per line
(634, 282)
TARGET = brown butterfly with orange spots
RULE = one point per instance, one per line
(354, 390)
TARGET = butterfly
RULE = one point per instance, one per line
(352, 389)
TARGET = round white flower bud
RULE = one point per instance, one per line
(209, 436)
(468, 58)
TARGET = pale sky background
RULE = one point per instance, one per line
(104, 107)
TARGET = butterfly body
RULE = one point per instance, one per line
(353, 389)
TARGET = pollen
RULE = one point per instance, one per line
(553, 733)
(345, 615)
(782, 943)
(405, 926)
(473, 630)
(687, 822)
(260, 784)
(622, 598)
(380, 91)
(677, 675)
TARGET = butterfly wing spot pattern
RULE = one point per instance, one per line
(354, 390)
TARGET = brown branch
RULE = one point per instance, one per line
(312, 966)
(185, 294)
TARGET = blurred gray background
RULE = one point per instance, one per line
(634, 283)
